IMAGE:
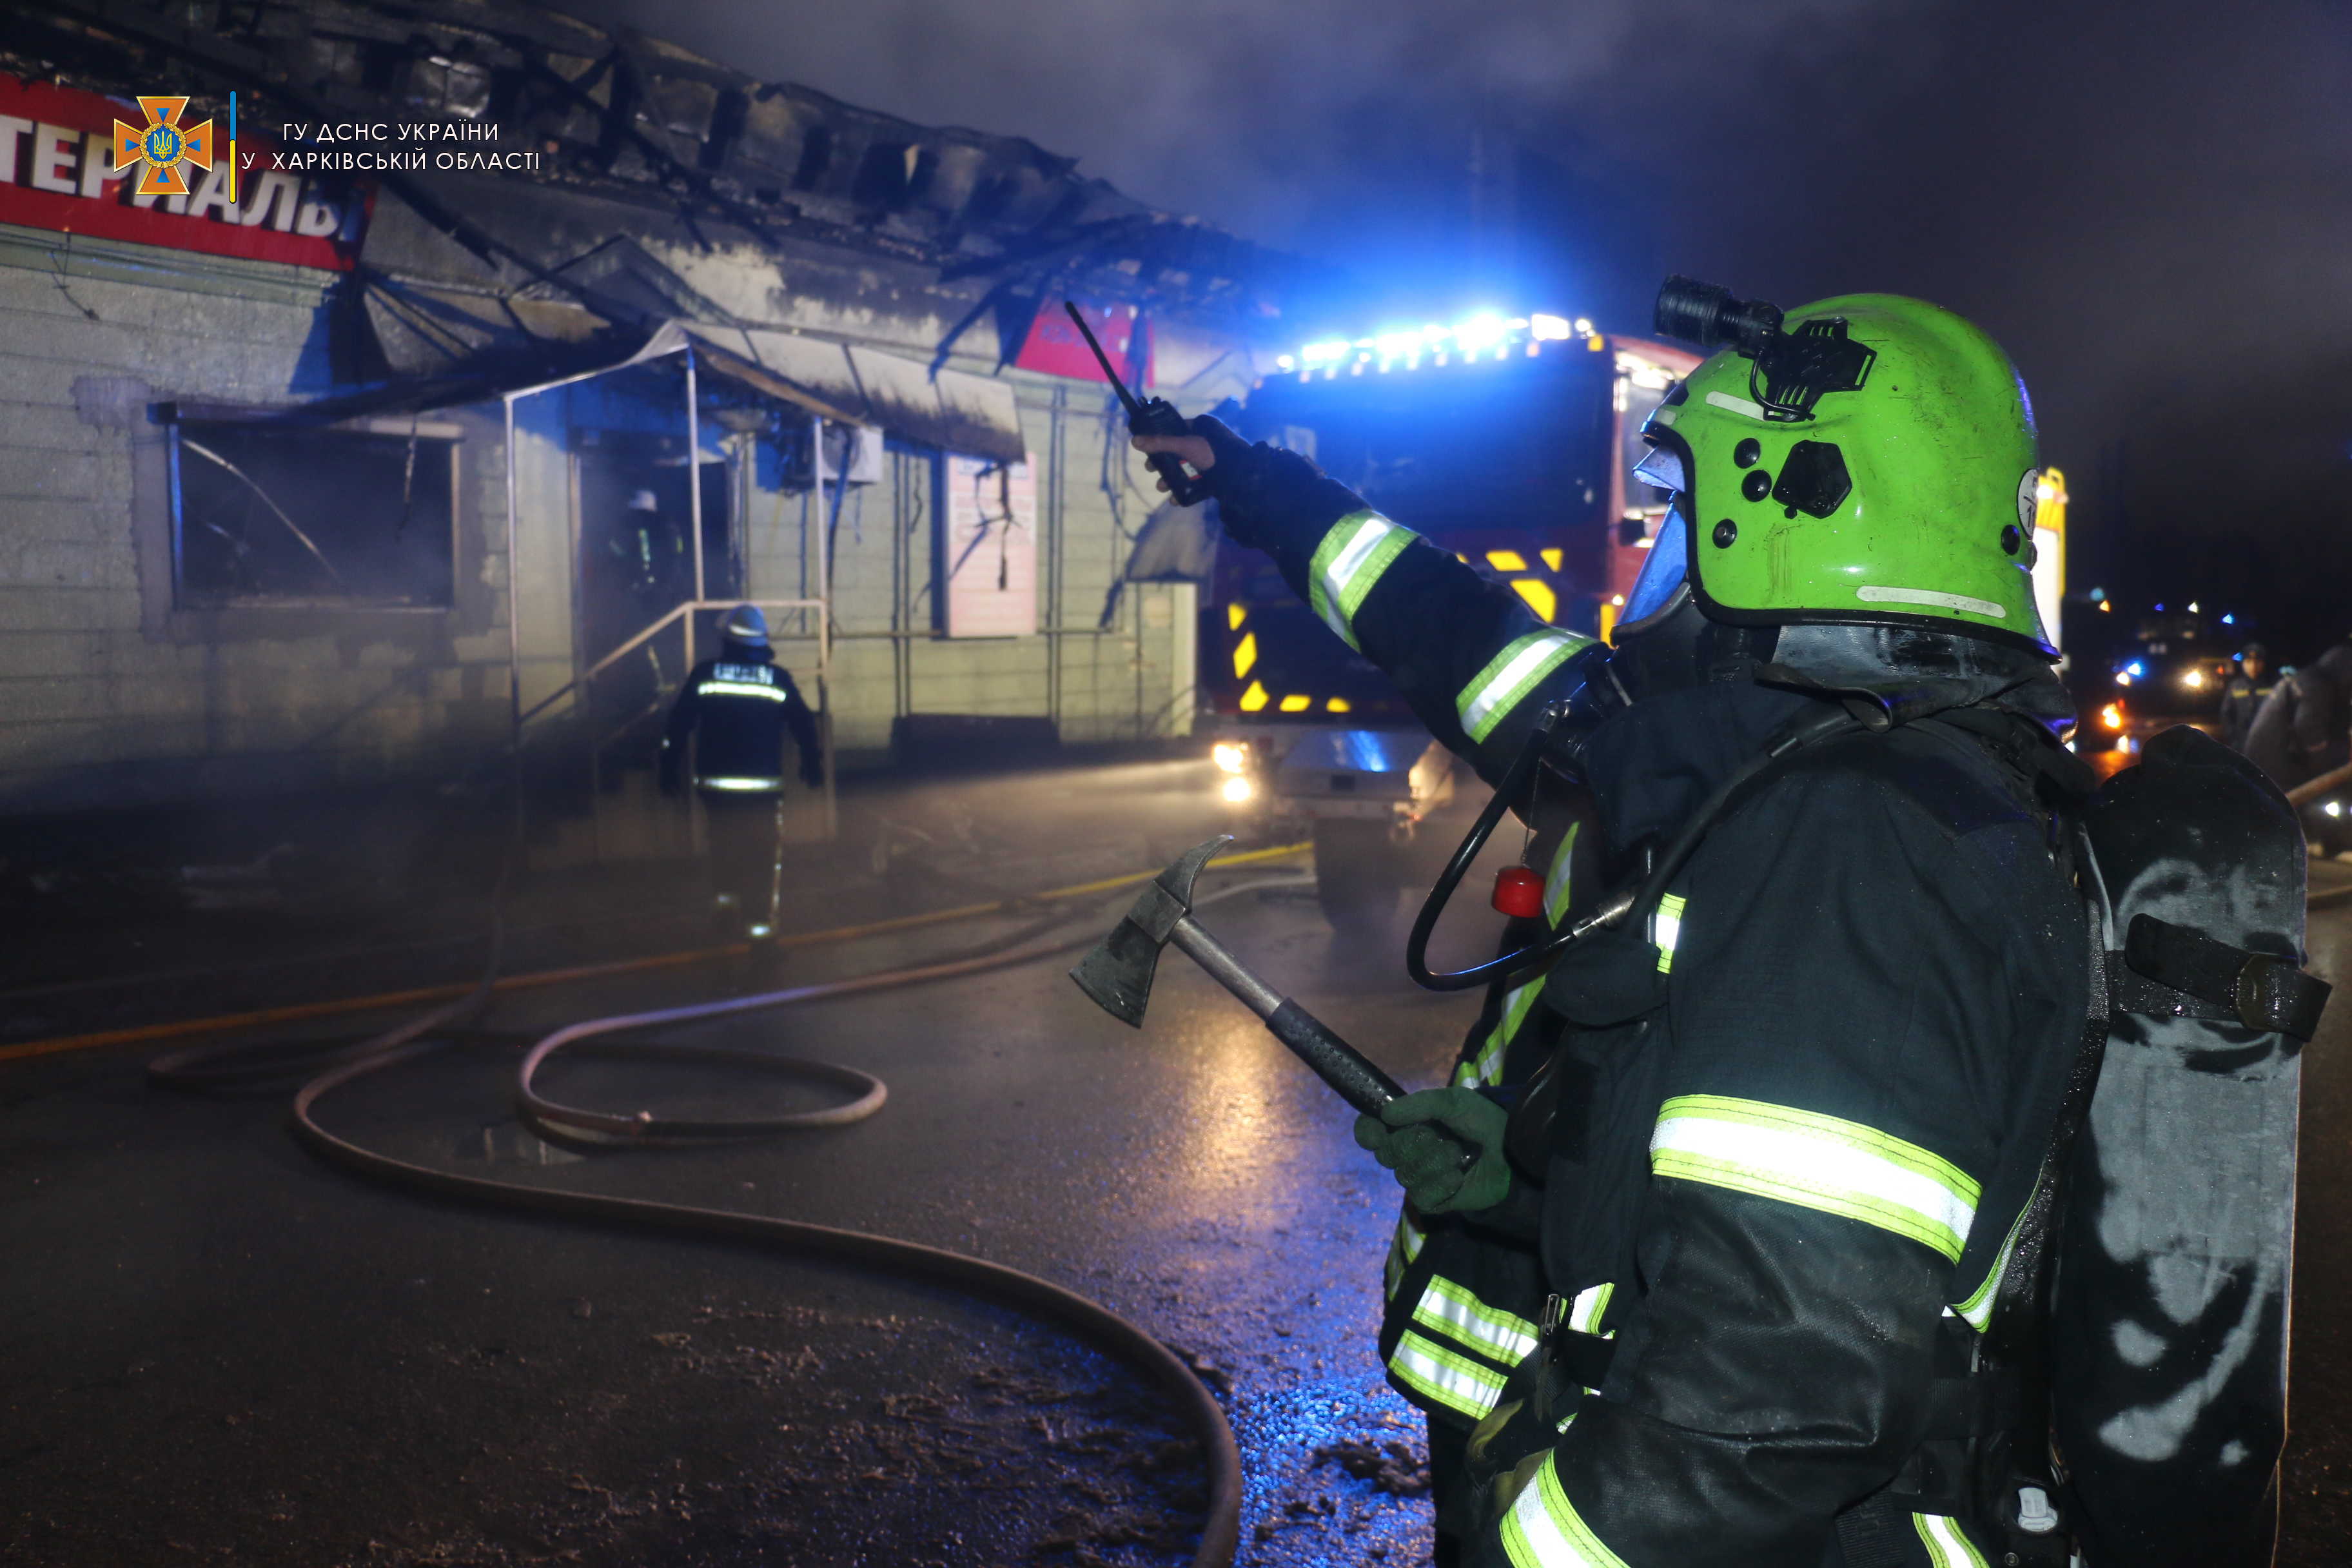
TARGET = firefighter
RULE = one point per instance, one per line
(2243, 693)
(736, 709)
(2304, 728)
(1796, 1108)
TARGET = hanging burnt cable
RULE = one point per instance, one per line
(407, 479)
(204, 451)
(335, 1063)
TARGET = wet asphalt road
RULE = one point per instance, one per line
(226, 1352)
(216, 1350)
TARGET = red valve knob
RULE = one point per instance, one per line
(1519, 892)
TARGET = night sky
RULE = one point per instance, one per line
(2150, 204)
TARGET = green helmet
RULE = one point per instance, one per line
(1875, 463)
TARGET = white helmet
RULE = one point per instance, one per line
(746, 624)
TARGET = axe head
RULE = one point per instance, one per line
(1118, 974)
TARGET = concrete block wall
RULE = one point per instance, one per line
(108, 694)
(1098, 684)
(111, 695)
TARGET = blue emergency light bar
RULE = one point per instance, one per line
(1485, 336)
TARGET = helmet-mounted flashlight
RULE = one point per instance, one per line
(1791, 370)
(1706, 314)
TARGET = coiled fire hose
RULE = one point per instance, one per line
(453, 1023)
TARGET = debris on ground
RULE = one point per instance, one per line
(1391, 1466)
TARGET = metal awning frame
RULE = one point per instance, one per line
(672, 339)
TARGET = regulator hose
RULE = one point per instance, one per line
(347, 1061)
(1629, 903)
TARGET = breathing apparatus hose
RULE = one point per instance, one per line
(346, 1062)
(1628, 902)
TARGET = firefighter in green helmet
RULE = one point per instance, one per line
(1775, 1140)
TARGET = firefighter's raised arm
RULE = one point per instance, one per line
(1474, 662)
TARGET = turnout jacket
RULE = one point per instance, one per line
(2299, 732)
(1801, 1110)
(738, 707)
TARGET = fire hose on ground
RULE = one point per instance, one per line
(452, 1023)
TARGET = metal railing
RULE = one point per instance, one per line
(684, 612)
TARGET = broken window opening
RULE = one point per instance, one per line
(264, 515)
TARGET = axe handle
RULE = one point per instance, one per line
(1223, 968)
(1336, 1062)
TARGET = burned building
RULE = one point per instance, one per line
(506, 344)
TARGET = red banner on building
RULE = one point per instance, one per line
(56, 172)
(1054, 347)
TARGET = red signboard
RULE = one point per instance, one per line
(56, 172)
(1054, 347)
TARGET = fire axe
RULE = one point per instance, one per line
(1118, 975)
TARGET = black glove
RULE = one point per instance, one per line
(1259, 487)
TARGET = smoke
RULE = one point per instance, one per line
(2151, 206)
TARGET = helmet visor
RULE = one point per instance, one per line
(1664, 576)
(1663, 469)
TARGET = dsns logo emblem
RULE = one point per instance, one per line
(164, 146)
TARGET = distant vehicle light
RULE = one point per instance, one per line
(1329, 352)
(2112, 716)
(2229, 620)
(1238, 791)
(1545, 328)
(2107, 606)
(2123, 678)
(2193, 679)
(2137, 667)
(1284, 362)
(1232, 758)
(2192, 607)
(2334, 808)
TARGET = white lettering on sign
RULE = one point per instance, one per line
(58, 172)
(282, 192)
(317, 218)
(98, 169)
(53, 151)
(12, 130)
(214, 194)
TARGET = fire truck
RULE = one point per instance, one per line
(1509, 441)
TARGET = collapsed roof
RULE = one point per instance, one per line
(670, 189)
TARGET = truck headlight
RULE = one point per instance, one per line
(1238, 790)
(1233, 759)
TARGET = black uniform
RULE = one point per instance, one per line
(1800, 1112)
(2241, 698)
(2299, 732)
(736, 709)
